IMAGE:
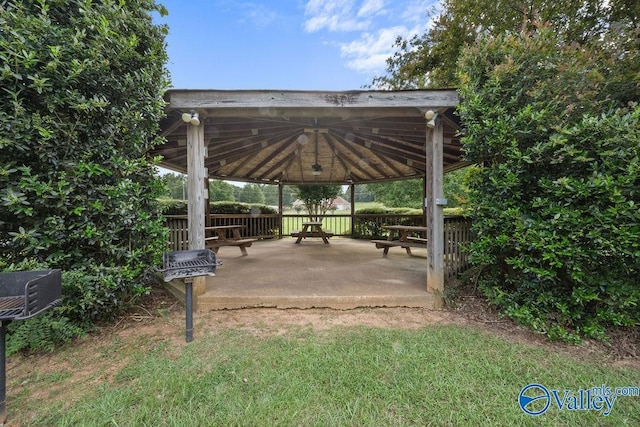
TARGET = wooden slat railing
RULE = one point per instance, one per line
(178, 232)
(457, 236)
(457, 230)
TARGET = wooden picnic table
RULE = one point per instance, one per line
(312, 229)
(400, 235)
(220, 239)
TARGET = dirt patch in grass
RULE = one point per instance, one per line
(163, 318)
(92, 361)
(159, 323)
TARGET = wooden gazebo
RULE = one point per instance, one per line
(307, 137)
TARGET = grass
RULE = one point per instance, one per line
(337, 225)
(442, 375)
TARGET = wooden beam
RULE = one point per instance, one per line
(363, 158)
(282, 164)
(268, 100)
(352, 187)
(347, 163)
(196, 202)
(278, 148)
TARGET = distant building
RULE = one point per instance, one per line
(339, 204)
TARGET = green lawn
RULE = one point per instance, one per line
(442, 375)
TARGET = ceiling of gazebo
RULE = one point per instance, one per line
(271, 136)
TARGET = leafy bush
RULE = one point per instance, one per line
(82, 98)
(240, 208)
(41, 333)
(556, 199)
(459, 211)
(368, 228)
(173, 206)
(258, 228)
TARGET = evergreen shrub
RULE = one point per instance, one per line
(555, 201)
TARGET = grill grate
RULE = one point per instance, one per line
(188, 264)
(11, 307)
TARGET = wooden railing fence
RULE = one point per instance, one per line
(457, 230)
(457, 236)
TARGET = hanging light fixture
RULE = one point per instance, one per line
(191, 117)
(316, 169)
(431, 118)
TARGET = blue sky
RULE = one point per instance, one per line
(294, 44)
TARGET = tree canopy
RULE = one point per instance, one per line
(430, 59)
(317, 198)
(549, 110)
(82, 96)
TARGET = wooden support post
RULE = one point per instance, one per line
(196, 202)
(280, 207)
(352, 187)
(195, 179)
(435, 213)
(207, 200)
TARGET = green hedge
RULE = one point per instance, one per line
(173, 206)
(179, 207)
(241, 208)
(556, 201)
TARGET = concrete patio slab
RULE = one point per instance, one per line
(344, 274)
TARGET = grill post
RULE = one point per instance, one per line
(3, 373)
(23, 294)
(188, 265)
(188, 282)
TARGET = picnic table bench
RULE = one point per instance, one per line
(312, 229)
(399, 237)
(220, 239)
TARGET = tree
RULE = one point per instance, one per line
(363, 193)
(399, 194)
(455, 187)
(81, 100)
(430, 59)
(176, 186)
(555, 197)
(288, 195)
(317, 198)
(220, 191)
(270, 192)
(251, 193)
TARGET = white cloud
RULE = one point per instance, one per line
(379, 23)
(371, 7)
(258, 14)
(370, 52)
(334, 15)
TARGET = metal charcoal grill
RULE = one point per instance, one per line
(187, 265)
(24, 294)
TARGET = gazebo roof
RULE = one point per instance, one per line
(269, 136)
